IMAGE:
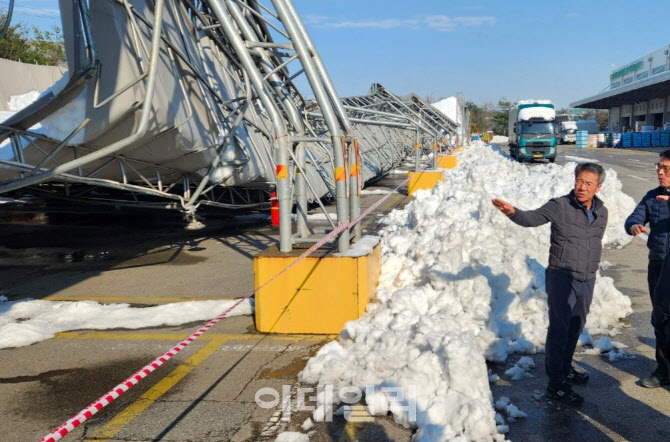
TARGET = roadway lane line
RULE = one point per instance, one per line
(639, 178)
(129, 299)
(181, 336)
(354, 429)
(118, 422)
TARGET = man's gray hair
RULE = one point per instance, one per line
(591, 167)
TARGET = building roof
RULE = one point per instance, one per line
(656, 86)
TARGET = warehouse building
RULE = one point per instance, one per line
(638, 97)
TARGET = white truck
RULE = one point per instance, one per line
(532, 130)
(567, 132)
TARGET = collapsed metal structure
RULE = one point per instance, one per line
(186, 103)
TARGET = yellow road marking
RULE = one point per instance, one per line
(148, 336)
(119, 421)
(129, 299)
(353, 430)
(111, 428)
(604, 429)
(181, 336)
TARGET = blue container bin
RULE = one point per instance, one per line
(582, 138)
(656, 139)
(627, 140)
(637, 139)
(646, 139)
(665, 139)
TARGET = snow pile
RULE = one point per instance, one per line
(500, 139)
(307, 425)
(460, 284)
(56, 126)
(533, 101)
(579, 159)
(521, 369)
(18, 102)
(512, 411)
(292, 436)
(613, 349)
(376, 192)
(362, 247)
(27, 322)
(536, 113)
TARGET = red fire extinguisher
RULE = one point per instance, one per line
(274, 209)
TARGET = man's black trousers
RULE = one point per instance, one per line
(662, 341)
(569, 302)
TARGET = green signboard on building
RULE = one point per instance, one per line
(625, 70)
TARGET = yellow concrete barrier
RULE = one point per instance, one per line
(316, 296)
(446, 161)
(423, 180)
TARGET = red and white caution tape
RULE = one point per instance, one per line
(114, 393)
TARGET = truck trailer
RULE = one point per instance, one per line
(532, 130)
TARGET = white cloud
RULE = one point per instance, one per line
(442, 23)
(446, 23)
(390, 23)
(37, 12)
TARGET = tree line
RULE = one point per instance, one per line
(489, 116)
(496, 117)
(32, 45)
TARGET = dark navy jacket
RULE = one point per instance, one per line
(656, 213)
(576, 244)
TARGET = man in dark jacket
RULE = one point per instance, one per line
(654, 211)
(578, 221)
(661, 321)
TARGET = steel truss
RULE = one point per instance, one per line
(194, 103)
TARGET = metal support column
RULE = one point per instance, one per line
(417, 150)
(281, 143)
(296, 32)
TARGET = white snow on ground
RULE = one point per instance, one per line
(307, 425)
(376, 192)
(613, 349)
(18, 102)
(319, 216)
(292, 436)
(521, 369)
(579, 159)
(499, 139)
(29, 321)
(605, 265)
(461, 284)
(362, 247)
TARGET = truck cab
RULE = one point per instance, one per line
(532, 132)
(567, 132)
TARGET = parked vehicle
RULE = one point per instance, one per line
(532, 130)
(567, 131)
(591, 126)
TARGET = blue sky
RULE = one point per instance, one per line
(561, 50)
